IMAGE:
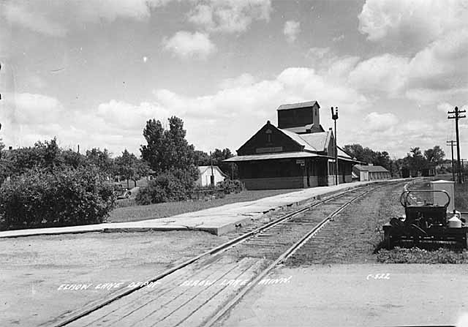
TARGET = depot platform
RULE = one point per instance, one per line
(217, 220)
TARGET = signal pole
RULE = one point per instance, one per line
(456, 115)
(335, 118)
(452, 143)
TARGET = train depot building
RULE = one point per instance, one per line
(298, 153)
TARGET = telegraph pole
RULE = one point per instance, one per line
(212, 175)
(456, 115)
(335, 118)
(452, 143)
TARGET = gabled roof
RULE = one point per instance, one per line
(318, 141)
(306, 146)
(298, 105)
(371, 169)
(310, 128)
(203, 169)
(299, 139)
(343, 154)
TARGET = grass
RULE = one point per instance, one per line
(461, 197)
(163, 210)
(417, 255)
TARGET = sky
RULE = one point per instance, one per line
(92, 73)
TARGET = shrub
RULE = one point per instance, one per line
(169, 186)
(42, 198)
(230, 186)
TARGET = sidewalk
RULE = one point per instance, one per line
(218, 220)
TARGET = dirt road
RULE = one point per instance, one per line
(357, 295)
(45, 277)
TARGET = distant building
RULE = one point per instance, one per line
(370, 172)
(298, 153)
(205, 175)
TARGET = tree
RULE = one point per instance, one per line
(435, 155)
(360, 153)
(45, 155)
(73, 159)
(130, 167)
(125, 165)
(153, 152)
(50, 153)
(370, 156)
(201, 158)
(101, 160)
(172, 158)
(230, 169)
(415, 159)
(141, 170)
(168, 150)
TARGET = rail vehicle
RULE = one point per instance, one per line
(427, 222)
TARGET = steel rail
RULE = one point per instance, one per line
(283, 257)
(216, 250)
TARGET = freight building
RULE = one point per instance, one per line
(298, 153)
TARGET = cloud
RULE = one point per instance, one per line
(328, 63)
(240, 81)
(380, 122)
(387, 73)
(190, 45)
(229, 16)
(128, 116)
(16, 13)
(57, 18)
(427, 96)
(303, 83)
(413, 23)
(291, 30)
(317, 55)
(117, 124)
(445, 107)
(432, 37)
(385, 132)
(338, 38)
(25, 114)
(31, 109)
(224, 112)
(442, 64)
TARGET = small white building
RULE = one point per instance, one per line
(205, 175)
(370, 172)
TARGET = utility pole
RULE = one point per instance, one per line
(212, 175)
(452, 143)
(456, 115)
(335, 118)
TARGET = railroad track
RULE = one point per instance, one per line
(201, 290)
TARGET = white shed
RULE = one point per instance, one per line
(205, 175)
